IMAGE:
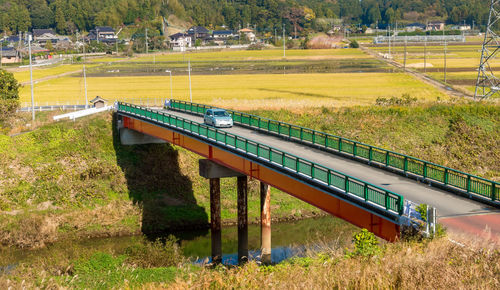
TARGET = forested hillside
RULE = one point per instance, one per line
(68, 16)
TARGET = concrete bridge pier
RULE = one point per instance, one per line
(265, 223)
(215, 220)
(242, 219)
(214, 172)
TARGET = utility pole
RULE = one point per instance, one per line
(146, 37)
(171, 91)
(189, 72)
(425, 54)
(284, 42)
(444, 71)
(31, 82)
(85, 76)
(406, 40)
(389, 31)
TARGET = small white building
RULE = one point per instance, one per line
(248, 34)
(180, 40)
(435, 26)
(461, 27)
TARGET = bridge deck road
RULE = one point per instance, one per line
(447, 204)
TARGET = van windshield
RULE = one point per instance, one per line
(221, 114)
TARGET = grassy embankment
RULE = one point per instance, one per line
(71, 180)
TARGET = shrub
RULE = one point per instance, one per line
(154, 254)
(405, 100)
(9, 95)
(354, 44)
(365, 245)
(255, 46)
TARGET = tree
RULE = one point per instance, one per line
(41, 15)
(389, 16)
(9, 95)
(49, 46)
(295, 15)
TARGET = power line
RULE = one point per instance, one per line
(487, 83)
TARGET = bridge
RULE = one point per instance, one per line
(362, 184)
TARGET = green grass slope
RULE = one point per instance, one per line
(74, 179)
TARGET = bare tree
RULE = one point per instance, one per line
(295, 15)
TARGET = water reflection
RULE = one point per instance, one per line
(289, 239)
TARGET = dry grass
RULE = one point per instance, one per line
(438, 264)
(36, 229)
(272, 91)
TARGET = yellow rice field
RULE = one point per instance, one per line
(251, 91)
(43, 72)
(241, 55)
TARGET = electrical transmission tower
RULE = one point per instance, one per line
(487, 83)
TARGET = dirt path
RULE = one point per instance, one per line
(53, 77)
(440, 86)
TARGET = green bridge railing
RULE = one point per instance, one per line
(447, 176)
(322, 175)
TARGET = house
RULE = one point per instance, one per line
(335, 29)
(35, 49)
(415, 26)
(198, 32)
(462, 27)
(13, 39)
(248, 33)
(103, 34)
(9, 55)
(181, 40)
(223, 34)
(435, 26)
(43, 36)
(98, 102)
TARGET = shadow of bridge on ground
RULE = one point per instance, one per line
(156, 184)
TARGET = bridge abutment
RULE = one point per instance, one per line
(132, 137)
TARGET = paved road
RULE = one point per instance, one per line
(447, 204)
(483, 226)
